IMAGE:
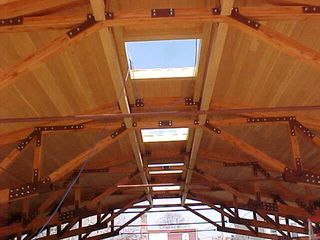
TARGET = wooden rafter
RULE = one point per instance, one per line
(109, 46)
(11, 73)
(71, 165)
(263, 158)
(34, 7)
(281, 42)
(270, 13)
(215, 55)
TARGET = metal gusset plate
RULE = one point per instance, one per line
(188, 101)
(165, 123)
(263, 205)
(249, 22)
(30, 189)
(60, 127)
(270, 119)
(118, 131)
(80, 28)
(295, 176)
(213, 128)
(138, 103)
(65, 216)
(27, 140)
(216, 11)
(239, 164)
(11, 21)
(303, 129)
(311, 9)
(167, 12)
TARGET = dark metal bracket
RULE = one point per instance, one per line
(30, 189)
(263, 205)
(270, 119)
(303, 129)
(167, 12)
(65, 216)
(11, 21)
(83, 26)
(27, 140)
(165, 123)
(311, 9)
(138, 103)
(118, 131)
(239, 164)
(188, 101)
(249, 22)
(296, 176)
(216, 11)
(212, 128)
(108, 15)
(60, 127)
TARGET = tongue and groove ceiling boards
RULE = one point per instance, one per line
(72, 111)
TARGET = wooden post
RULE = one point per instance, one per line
(37, 159)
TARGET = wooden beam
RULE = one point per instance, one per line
(13, 72)
(45, 23)
(283, 210)
(37, 162)
(8, 160)
(94, 202)
(232, 230)
(77, 161)
(263, 158)
(223, 185)
(22, 7)
(72, 164)
(296, 161)
(124, 18)
(281, 42)
(215, 54)
(110, 50)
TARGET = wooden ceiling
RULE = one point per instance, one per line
(45, 73)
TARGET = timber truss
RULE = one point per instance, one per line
(266, 208)
(104, 227)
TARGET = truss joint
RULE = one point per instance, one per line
(247, 21)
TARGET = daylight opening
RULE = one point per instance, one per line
(164, 134)
(154, 165)
(166, 188)
(165, 172)
(163, 59)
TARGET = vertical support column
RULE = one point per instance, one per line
(235, 204)
(25, 210)
(223, 224)
(80, 226)
(112, 222)
(37, 159)
(257, 189)
(255, 219)
(295, 147)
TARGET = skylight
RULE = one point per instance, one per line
(164, 134)
(165, 172)
(166, 188)
(163, 59)
(154, 165)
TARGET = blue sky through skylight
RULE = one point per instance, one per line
(163, 54)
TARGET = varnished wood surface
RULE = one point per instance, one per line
(78, 80)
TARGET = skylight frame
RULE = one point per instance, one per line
(167, 188)
(164, 134)
(160, 172)
(163, 72)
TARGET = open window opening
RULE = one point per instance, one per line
(164, 134)
(163, 59)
